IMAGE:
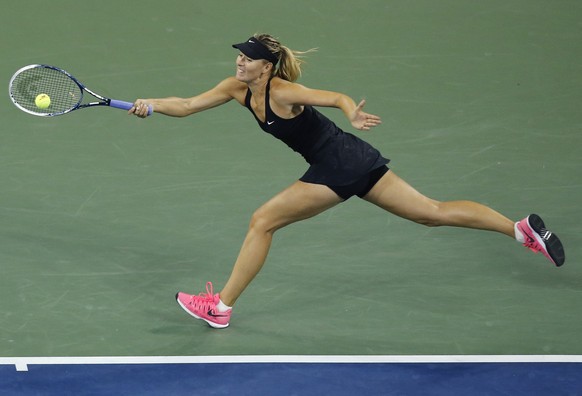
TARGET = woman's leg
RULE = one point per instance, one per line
(398, 197)
(298, 202)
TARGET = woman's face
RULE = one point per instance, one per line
(248, 69)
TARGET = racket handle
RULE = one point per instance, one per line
(120, 104)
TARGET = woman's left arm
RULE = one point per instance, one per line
(287, 93)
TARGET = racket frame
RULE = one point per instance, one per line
(103, 101)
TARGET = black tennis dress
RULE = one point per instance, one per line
(336, 158)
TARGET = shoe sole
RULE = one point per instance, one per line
(211, 324)
(553, 244)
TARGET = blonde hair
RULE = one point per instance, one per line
(290, 61)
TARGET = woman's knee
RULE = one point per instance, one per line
(262, 221)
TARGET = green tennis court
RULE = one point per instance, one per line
(105, 216)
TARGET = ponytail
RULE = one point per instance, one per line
(290, 61)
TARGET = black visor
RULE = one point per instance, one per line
(254, 49)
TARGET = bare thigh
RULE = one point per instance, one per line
(398, 197)
(297, 202)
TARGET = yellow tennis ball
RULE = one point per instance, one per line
(42, 101)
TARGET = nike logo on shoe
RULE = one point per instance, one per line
(539, 239)
(529, 237)
(212, 314)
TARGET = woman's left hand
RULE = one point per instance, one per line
(362, 120)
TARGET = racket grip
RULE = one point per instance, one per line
(120, 104)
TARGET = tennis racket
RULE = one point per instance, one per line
(64, 90)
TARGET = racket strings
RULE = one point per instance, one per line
(64, 93)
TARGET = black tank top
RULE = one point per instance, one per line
(336, 157)
(305, 133)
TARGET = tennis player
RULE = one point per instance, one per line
(341, 166)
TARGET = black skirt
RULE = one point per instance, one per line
(342, 160)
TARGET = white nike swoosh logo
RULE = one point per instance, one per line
(270, 122)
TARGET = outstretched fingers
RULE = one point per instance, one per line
(364, 121)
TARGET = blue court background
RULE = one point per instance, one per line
(297, 379)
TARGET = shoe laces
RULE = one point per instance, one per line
(532, 244)
(205, 300)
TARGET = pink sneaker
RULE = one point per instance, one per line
(203, 306)
(539, 239)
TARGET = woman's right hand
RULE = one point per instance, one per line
(141, 108)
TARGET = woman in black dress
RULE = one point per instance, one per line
(341, 166)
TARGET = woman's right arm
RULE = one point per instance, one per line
(225, 91)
